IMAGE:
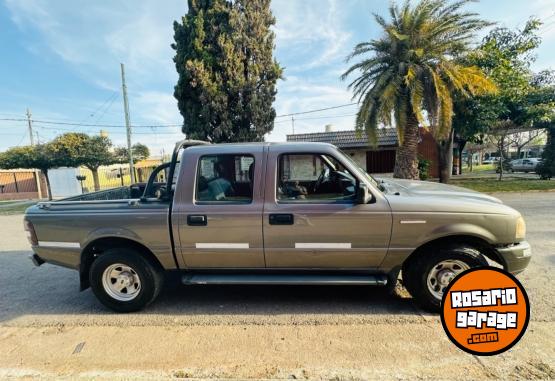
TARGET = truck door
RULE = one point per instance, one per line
(218, 207)
(311, 218)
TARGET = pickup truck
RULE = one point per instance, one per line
(275, 213)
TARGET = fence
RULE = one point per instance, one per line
(20, 184)
(114, 176)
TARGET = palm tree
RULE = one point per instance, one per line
(413, 71)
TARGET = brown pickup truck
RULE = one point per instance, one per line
(275, 213)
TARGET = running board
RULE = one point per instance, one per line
(284, 279)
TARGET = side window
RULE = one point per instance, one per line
(225, 179)
(313, 178)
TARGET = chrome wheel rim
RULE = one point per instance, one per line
(121, 282)
(442, 274)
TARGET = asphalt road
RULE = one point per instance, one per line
(48, 329)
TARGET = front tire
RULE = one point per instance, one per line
(124, 281)
(428, 274)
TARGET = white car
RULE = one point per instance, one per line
(525, 165)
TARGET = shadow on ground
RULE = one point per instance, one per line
(50, 290)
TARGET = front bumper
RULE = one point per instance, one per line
(516, 257)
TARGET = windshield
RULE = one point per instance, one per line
(361, 170)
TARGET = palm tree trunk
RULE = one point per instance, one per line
(406, 161)
(445, 158)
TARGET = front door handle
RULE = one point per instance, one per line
(281, 219)
(197, 220)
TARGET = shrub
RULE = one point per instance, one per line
(423, 168)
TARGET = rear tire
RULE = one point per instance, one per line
(428, 274)
(124, 281)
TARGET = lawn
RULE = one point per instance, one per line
(15, 207)
(479, 168)
(509, 185)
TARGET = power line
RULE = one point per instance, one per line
(112, 96)
(151, 126)
(88, 124)
(319, 117)
(107, 108)
(111, 132)
(313, 111)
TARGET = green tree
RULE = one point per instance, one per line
(524, 100)
(227, 75)
(139, 150)
(40, 156)
(74, 149)
(412, 68)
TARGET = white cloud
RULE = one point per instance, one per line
(314, 30)
(312, 39)
(96, 39)
(298, 94)
(157, 107)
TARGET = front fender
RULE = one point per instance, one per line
(460, 229)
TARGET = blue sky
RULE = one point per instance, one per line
(61, 59)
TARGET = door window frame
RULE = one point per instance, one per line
(224, 202)
(312, 202)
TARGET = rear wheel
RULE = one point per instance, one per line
(124, 281)
(427, 276)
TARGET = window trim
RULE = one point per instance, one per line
(224, 202)
(314, 202)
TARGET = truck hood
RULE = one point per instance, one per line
(430, 189)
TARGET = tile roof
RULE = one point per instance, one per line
(348, 139)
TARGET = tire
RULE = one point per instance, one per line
(141, 281)
(420, 272)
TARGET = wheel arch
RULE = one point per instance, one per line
(478, 243)
(96, 247)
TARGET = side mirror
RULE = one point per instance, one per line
(363, 195)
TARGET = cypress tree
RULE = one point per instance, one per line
(227, 73)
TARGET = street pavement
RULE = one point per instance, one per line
(49, 329)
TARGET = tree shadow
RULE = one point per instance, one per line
(26, 290)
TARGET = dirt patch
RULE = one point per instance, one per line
(533, 370)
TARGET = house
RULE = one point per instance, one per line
(374, 159)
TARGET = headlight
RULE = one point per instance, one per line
(520, 229)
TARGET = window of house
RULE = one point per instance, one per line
(314, 178)
(225, 179)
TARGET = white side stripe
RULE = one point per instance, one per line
(413, 221)
(72, 245)
(222, 245)
(322, 245)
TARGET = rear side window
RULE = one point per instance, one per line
(225, 179)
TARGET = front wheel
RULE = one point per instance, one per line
(427, 276)
(124, 281)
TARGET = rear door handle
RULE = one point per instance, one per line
(197, 220)
(281, 219)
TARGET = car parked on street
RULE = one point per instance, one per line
(275, 213)
(525, 165)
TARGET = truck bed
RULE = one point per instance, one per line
(120, 193)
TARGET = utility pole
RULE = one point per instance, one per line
(30, 124)
(127, 124)
(293, 124)
(31, 137)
